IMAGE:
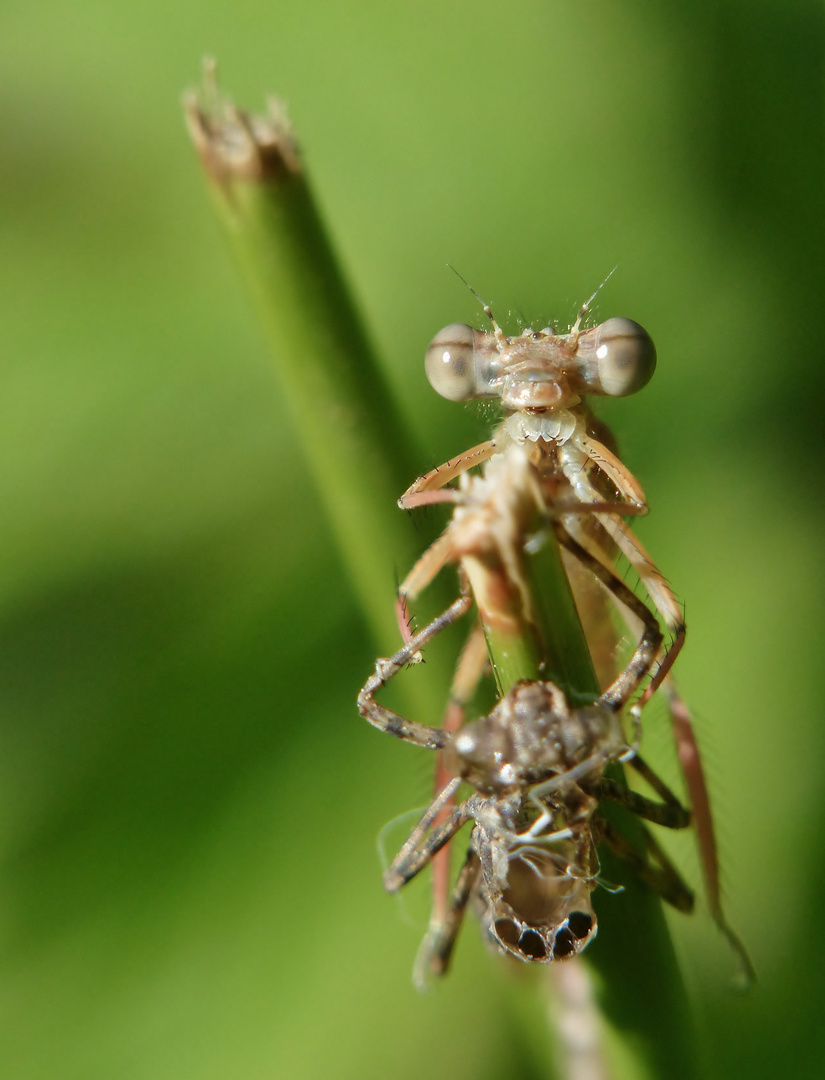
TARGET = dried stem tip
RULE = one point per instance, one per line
(231, 143)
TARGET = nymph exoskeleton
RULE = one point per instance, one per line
(536, 766)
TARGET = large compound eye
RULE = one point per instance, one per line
(460, 363)
(449, 362)
(626, 357)
(617, 358)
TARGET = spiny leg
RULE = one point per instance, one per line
(468, 672)
(625, 685)
(669, 814)
(652, 778)
(423, 491)
(623, 538)
(465, 680)
(617, 472)
(421, 845)
(426, 568)
(658, 589)
(693, 772)
(437, 947)
(385, 719)
(660, 875)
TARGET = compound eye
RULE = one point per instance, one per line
(625, 357)
(450, 362)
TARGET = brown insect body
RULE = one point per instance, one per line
(531, 863)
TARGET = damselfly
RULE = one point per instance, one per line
(543, 380)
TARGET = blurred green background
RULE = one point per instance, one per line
(188, 800)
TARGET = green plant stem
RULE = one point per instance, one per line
(358, 450)
(566, 657)
(352, 435)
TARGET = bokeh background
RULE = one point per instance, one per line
(188, 801)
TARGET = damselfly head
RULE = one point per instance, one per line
(540, 370)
